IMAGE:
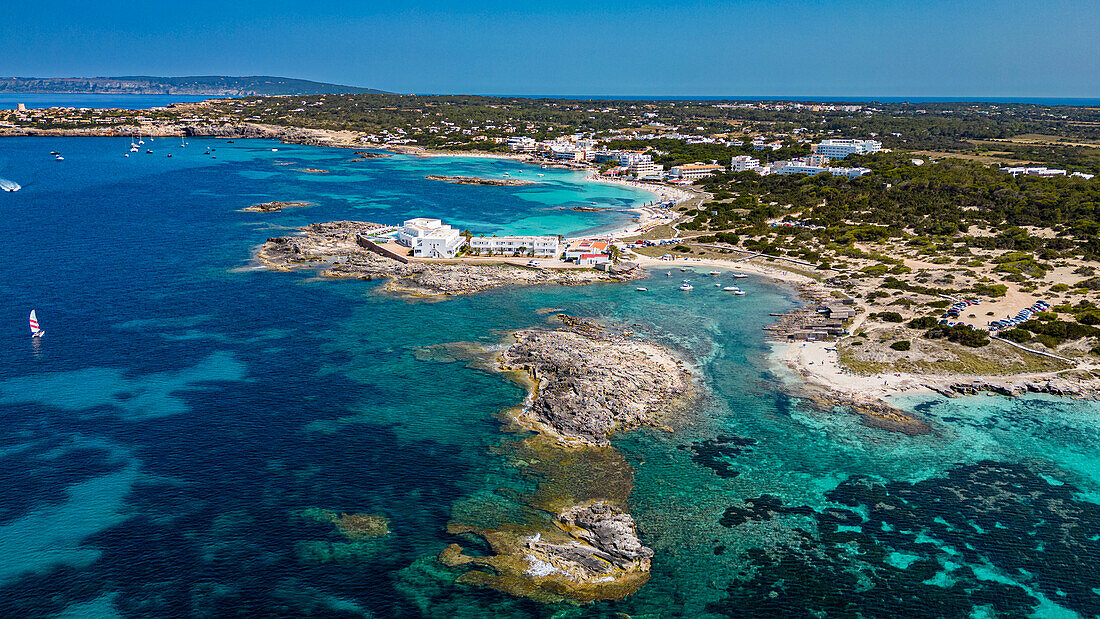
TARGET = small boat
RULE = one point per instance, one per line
(686, 286)
(739, 276)
(141, 141)
(126, 155)
(274, 150)
(640, 289)
(7, 185)
(714, 273)
(169, 154)
(54, 152)
(36, 331)
(734, 290)
(58, 158)
(133, 148)
(229, 141)
(683, 270)
(669, 274)
(542, 175)
(148, 151)
(543, 167)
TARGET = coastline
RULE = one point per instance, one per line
(818, 363)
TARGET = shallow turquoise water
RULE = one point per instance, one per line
(183, 408)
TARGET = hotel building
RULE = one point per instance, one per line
(839, 148)
(430, 238)
(546, 246)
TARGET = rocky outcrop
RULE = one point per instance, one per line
(594, 553)
(337, 244)
(477, 180)
(274, 206)
(1086, 388)
(878, 414)
(591, 383)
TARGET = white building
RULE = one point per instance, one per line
(801, 166)
(522, 144)
(743, 163)
(840, 148)
(694, 171)
(547, 246)
(849, 172)
(430, 238)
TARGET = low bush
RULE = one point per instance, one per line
(901, 345)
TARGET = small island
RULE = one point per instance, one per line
(586, 382)
(477, 180)
(274, 206)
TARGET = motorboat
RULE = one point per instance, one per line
(640, 289)
(686, 286)
(739, 275)
(7, 185)
(734, 290)
(714, 273)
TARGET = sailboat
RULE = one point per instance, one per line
(35, 331)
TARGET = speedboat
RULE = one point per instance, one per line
(274, 150)
(640, 289)
(7, 185)
(686, 286)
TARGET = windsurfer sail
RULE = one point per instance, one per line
(35, 330)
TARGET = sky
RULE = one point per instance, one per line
(956, 48)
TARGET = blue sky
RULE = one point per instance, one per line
(750, 47)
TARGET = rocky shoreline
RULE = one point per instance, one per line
(340, 245)
(477, 180)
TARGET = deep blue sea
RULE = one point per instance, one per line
(161, 443)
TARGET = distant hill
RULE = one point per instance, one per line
(212, 85)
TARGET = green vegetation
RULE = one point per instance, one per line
(901, 345)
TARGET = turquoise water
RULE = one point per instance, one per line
(9, 101)
(161, 442)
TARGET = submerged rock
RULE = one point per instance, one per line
(354, 527)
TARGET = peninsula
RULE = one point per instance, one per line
(344, 249)
(211, 85)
